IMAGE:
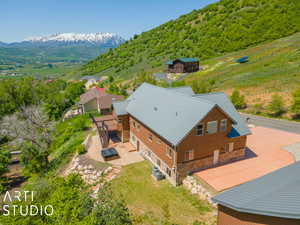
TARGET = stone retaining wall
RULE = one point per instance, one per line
(195, 187)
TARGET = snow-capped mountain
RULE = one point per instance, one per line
(60, 47)
(94, 38)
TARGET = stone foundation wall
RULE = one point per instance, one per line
(185, 169)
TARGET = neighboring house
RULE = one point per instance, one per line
(90, 81)
(180, 132)
(183, 65)
(271, 199)
(96, 99)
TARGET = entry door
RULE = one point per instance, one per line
(137, 145)
(216, 156)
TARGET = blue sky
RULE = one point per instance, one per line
(20, 19)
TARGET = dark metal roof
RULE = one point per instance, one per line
(275, 194)
(170, 62)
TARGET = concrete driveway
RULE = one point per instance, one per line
(265, 154)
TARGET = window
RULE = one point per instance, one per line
(138, 127)
(189, 155)
(150, 138)
(120, 120)
(168, 171)
(212, 127)
(158, 141)
(169, 152)
(199, 130)
(223, 125)
(158, 162)
(133, 123)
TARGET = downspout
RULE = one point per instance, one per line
(175, 166)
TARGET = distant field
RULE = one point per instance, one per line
(38, 70)
(272, 68)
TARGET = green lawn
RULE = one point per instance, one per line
(152, 202)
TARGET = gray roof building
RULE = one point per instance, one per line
(276, 194)
(173, 112)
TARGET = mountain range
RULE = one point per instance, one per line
(59, 47)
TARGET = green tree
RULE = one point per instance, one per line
(5, 157)
(296, 103)
(238, 100)
(276, 106)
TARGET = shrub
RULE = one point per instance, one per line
(296, 103)
(258, 108)
(276, 106)
(238, 100)
(81, 149)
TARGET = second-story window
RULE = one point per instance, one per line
(138, 127)
(212, 127)
(169, 152)
(200, 130)
(133, 123)
(150, 138)
(223, 125)
(158, 141)
(189, 155)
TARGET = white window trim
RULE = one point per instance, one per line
(210, 122)
(189, 151)
(225, 127)
(230, 146)
(169, 152)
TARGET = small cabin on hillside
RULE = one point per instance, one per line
(183, 65)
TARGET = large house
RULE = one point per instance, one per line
(180, 132)
(272, 199)
(96, 99)
(183, 65)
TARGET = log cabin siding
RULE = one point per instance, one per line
(183, 67)
(158, 145)
(204, 146)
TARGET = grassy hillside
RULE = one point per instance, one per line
(223, 27)
(272, 68)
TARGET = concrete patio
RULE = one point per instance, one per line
(127, 152)
(265, 154)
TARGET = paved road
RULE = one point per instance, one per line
(293, 127)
